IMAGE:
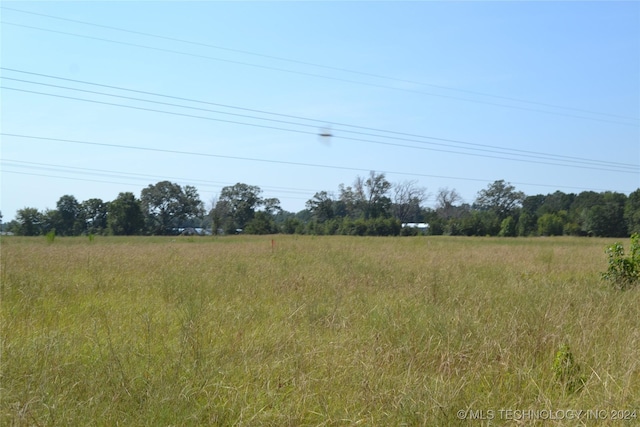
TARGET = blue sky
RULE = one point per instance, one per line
(545, 95)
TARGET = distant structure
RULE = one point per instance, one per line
(423, 226)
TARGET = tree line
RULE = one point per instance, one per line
(370, 206)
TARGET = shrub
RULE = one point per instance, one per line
(623, 271)
(567, 371)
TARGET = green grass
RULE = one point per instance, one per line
(319, 331)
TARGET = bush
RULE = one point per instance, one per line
(567, 371)
(623, 272)
(51, 236)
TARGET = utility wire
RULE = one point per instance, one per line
(270, 161)
(314, 75)
(109, 182)
(133, 175)
(526, 153)
(306, 63)
(309, 133)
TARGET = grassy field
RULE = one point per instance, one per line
(314, 331)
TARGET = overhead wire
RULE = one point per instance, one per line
(529, 154)
(266, 67)
(307, 63)
(608, 169)
(111, 182)
(397, 135)
(133, 175)
(272, 161)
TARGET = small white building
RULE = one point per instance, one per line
(423, 226)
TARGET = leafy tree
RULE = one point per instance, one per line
(321, 206)
(586, 200)
(501, 198)
(352, 200)
(12, 226)
(632, 212)
(357, 227)
(238, 205)
(614, 205)
(376, 189)
(167, 205)
(508, 227)
(556, 202)
(292, 226)
(304, 215)
(529, 213)
(125, 215)
(551, 224)
(281, 216)
(94, 213)
(262, 223)
(383, 226)
(68, 214)
(271, 206)
(477, 223)
(367, 198)
(51, 221)
(219, 213)
(30, 222)
(606, 218)
(623, 271)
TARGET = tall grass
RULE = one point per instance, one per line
(318, 331)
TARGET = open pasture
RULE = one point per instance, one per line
(312, 331)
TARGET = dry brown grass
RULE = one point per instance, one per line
(321, 331)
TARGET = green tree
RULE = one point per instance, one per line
(30, 222)
(167, 205)
(556, 202)
(271, 206)
(125, 215)
(321, 206)
(478, 223)
(291, 225)
(237, 206)
(68, 221)
(529, 213)
(551, 224)
(586, 200)
(351, 202)
(51, 221)
(632, 212)
(12, 226)
(508, 227)
(261, 223)
(501, 198)
(606, 219)
(94, 213)
(376, 189)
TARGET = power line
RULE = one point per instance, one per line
(312, 133)
(315, 75)
(133, 175)
(108, 182)
(328, 67)
(270, 161)
(503, 150)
